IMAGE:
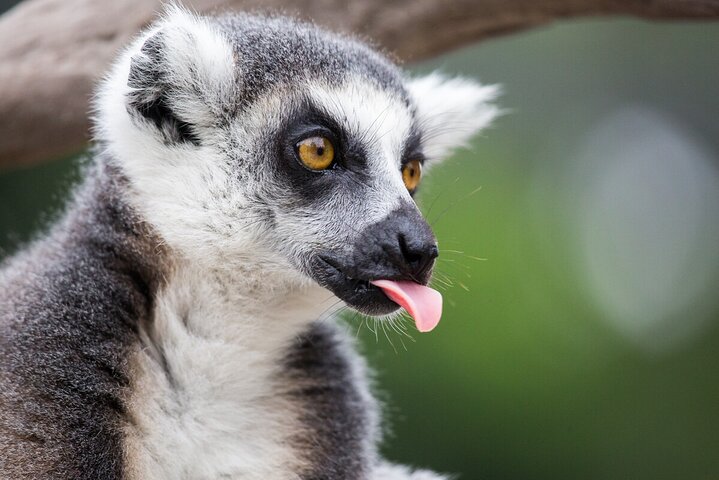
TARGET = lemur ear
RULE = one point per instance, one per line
(450, 111)
(182, 77)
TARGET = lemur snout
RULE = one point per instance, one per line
(398, 248)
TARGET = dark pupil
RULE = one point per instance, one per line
(320, 151)
(411, 172)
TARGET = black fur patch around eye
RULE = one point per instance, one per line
(309, 187)
(412, 149)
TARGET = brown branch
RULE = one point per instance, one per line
(53, 51)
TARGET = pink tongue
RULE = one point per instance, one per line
(423, 303)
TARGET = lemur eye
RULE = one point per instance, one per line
(412, 174)
(317, 153)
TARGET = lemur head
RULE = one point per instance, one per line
(266, 140)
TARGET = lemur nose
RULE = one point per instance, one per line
(418, 255)
(401, 246)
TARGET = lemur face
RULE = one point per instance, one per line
(261, 137)
(345, 165)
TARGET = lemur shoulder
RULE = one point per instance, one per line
(247, 173)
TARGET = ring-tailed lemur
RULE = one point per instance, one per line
(247, 172)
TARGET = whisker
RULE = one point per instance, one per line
(465, 255)
(453, 204)
(439, 195)
(384, 330)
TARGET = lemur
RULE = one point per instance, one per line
(249, 173)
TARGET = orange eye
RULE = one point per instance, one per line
(317, 153)
(412, 174)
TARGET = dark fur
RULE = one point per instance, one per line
(71, 305)
(339, 420)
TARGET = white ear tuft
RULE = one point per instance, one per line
(450, 111)
(176, 79)
(198, 57)
(196, 48)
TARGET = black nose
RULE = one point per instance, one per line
(418, 254)
(401, 246)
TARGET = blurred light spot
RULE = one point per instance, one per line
(648, 228)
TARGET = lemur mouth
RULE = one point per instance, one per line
(358, 293)
(382, 295)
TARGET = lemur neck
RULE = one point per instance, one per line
(244, 301)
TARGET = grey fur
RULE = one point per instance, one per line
(71, 306)
(284, 49)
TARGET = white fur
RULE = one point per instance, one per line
(202, 65)
(388, 471)
(450, 111)
(222, 338)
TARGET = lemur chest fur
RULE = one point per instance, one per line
(225, 386)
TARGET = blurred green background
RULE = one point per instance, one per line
(580, 338)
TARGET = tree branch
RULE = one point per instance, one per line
(53, 51)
